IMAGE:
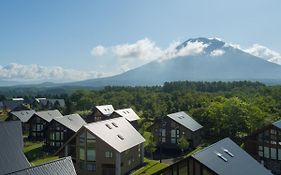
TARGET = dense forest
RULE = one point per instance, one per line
(231, 109)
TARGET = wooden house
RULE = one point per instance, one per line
(129, 114)
(60, 129)
(100, 113)
(38, 122)
(22, 116)
(168, 131)
(108, 147)
(265, 146)
(222, 158)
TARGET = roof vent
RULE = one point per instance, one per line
(120, 137)
(227, 152)
(124, 112)
(221, 156)
(107, 125)
(70, 119)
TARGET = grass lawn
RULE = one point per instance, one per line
(151, 166)
(35, 154)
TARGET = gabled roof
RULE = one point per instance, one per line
(185, 120)
(23, 115)
(48, 115)
(227, 158)
(277, 124)
(73, 122)
(127, 113)
(105, 109)
(63, 166)
(12, 157)
(116, 132)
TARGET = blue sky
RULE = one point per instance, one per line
(60, 35)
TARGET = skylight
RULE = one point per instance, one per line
(120, 137)
(221, 156)
(114, 124)
(227, 152)
(107, 125)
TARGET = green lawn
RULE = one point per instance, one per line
(35, 154)
(151, 167)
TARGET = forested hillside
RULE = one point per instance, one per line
(224, 108)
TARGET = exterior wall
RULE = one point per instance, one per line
(56, 136)
(169, 142)
(105, 157)
(36, 130)
(187, 166)
(265, 147)
(25, 126)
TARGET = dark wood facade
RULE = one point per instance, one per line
(265, 146)
(168, 132)
(36, 128)
(96, 116)
(25, 125)
(187, 166)
(56, 135)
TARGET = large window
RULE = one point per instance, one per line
(273, 153)
(87, 151)
(266, 152)
(91, 154)
(91, 140)
(82, 153)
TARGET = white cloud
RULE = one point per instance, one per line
(265, 53)
(144, 49)
(35, 72)
(98, 51)
(217, 52)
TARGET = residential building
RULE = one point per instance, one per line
(222, 158)
(38, 122)
(60, 129)
(63, 166)
(168, 131)
(108, 147)
(100, 113)
(12, 157)
(22, 116)
(265, 146)
(129, 114)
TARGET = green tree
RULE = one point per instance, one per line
(149, 144)
(183, 143)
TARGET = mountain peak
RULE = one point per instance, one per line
(212, 43)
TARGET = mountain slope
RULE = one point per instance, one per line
(216, 62)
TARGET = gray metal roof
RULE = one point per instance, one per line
(74, 121)
(48, 115)
(277, 124)
(105, 109)
(128, 113)
(227, 158)
(12, 157)
(63, 166)
(116, 132)
(23, 115)
(185, 120)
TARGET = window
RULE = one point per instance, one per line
(266, 152)
(108, 154)
(163, 140)
(58, 136)
(173, 133)
(52, 136)
(91, 167)
(260, 151)
(91, 154)
(163, 132)
(273, 153)
(82, 139)
(173, 140)
(279, 154)
(91, 139)
(82, 153)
